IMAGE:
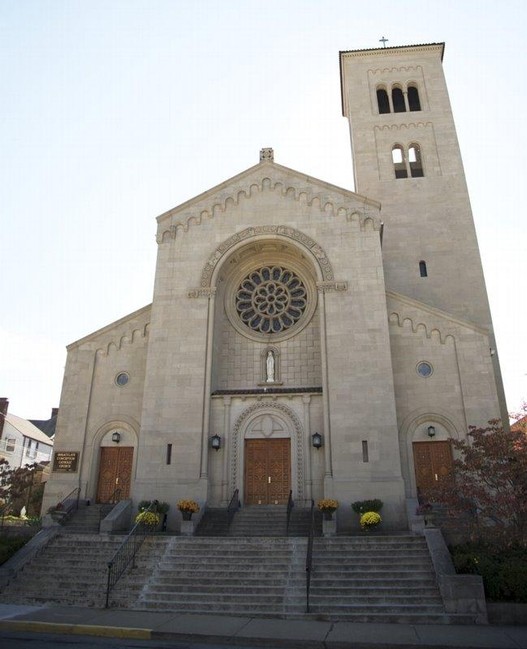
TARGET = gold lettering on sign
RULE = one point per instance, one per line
(65, 461)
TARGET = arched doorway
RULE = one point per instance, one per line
(115, 473)
(267, 471)
(433, 464)
(268, 454)
(116, 463)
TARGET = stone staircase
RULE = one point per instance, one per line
(259, 521)
(87, 519)
(376, 579)
(386, 579)
(72, 569)
(238, 576)
(357, 578)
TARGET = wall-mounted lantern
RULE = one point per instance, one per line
(116, 437)
(215, 442)
(431, 431)
(316, 440)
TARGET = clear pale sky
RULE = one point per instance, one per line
(114, 111)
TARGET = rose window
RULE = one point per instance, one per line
(271, 299)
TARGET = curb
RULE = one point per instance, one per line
(76, 629)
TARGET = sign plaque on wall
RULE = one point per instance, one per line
(65, 461)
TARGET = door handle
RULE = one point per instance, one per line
(269, 479)
(116, 480)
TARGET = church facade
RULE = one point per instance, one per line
(302, 337)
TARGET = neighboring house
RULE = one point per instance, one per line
(47, 426)
(21, 442)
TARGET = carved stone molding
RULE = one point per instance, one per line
(329, 287)
(330, 203)
(282, 230)
(202, 292)
(130, 338)
(403, 127)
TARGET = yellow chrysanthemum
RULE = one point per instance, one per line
(370, 519)
(148, 518)
(328, 505)
(188, 506)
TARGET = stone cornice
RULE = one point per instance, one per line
(95, 337)
(431, 311)
(398, 49)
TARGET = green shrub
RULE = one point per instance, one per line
(504, 570)
(362, 506)
(9, 545)
(160, 508)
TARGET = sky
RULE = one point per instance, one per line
(115, 111)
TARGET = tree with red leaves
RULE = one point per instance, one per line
(489, 491)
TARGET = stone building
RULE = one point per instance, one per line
(284, 307)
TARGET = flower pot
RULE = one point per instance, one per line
(187, 516)
(328, 514)
(187, 528)
(329, 527)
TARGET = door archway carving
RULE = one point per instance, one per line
(265, 420)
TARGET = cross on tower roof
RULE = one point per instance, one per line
(383, 40)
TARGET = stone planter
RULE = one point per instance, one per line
(329, 527)
(187, 528)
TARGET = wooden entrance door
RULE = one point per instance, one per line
(115, 472)
(267, 471)
(433, 464)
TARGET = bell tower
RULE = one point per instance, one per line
(406, 155)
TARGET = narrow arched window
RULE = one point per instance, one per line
(422, 269)
(398, 100)
(383, 101)
(399, 164)
(413, 98)
(416, 164)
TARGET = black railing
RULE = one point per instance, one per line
(67, 506)
(112, 500)
(126, 552)
(309, 553)
(290, 505)
(233, 506)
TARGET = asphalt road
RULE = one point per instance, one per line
(25, 640)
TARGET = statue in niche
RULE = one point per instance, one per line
(270, 367)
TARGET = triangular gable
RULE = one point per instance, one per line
(267, 175)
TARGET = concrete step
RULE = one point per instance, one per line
(357, 579)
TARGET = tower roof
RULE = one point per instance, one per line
(395, 47)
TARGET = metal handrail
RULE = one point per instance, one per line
(69, 504)
(73, 496)
(290, 505)
(309, 553)
(233, 506)
(126, 552)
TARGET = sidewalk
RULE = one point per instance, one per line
(244, 631)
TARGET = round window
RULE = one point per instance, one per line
(271, 299)
(122, 379)
(424, 369)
